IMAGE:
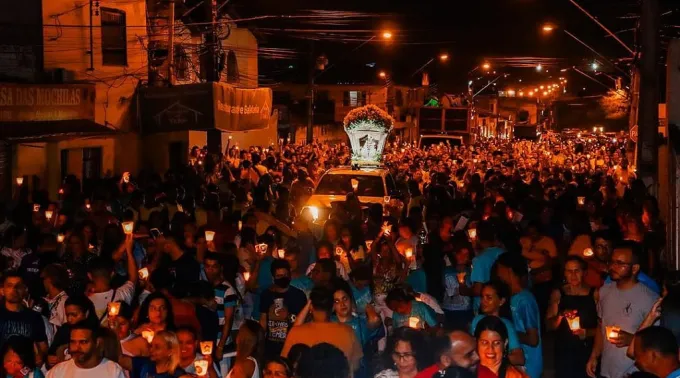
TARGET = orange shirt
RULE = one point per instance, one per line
(337, 334)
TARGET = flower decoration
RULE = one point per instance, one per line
(367, 128)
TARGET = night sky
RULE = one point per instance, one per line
(470, 32)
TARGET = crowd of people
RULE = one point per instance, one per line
(484, 256)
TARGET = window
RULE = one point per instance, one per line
(354, 98)
(232, 68)
(114, 37)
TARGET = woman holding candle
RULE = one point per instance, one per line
(155, 314)
(492, 344)
(572, 313)
(163, 361)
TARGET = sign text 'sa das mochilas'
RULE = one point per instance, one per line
(33, 96)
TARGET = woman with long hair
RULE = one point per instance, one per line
(18, 359)
(155, 314)
(575, 299)
(349, 250)
(495, 301)
(163, 360)
(492, 344)
(407, 353)
(249, 350)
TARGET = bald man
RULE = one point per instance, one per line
(458, 349)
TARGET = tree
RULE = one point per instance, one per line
(615, 104)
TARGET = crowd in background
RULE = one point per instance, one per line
(219, 269)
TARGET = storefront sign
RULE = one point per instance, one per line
(204, 107)
(33, 103)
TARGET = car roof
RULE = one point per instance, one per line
(360, 172)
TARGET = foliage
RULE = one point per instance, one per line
(615, 104)
(369, 114)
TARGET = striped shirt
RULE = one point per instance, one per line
(226, 297)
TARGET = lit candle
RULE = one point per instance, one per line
(387, 199)
(209, 236)
(409, 253)
(461, 277)
(246, 276)
(90, 247)
(261, 248)
(612, 332)
(281, 253)
(180, 208)
(355, 184)
(368, 244)
(240, 225)
(229, 137)
(61, 190)
(338, 251)
(148, 336)
(48, 214)
(461, 184)
(128, 227)
(581, 201)
(414, 322)
(315, 213)
(201, 367)
(588, 252)
(206, 348)
(574, 323)
(472, 234)
(114, 308)
(60, 238)
(36, 207)
(20, 180)
(143, 273)
(88, 207)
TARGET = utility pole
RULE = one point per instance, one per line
(214, 136)
(171, 43)
(310, 90)
(648, 117)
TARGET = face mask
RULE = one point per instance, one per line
(282, 282)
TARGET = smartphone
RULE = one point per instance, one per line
(155, 233)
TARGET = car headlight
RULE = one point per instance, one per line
(315, 212)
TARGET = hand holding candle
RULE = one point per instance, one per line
(201, 367)
(408, 253)
(114, 309)
(148, 336)
(128, 227)
(143, 273)
(574, 323)
(414, 322)
(588, 252)
(209, 236)
(472, 234)
(60, 238)
(461, 277)
(281, 253)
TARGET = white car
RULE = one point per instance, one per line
(373, 185)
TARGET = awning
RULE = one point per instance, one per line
(45, 131)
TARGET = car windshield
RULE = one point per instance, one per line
(370, 186)
(427, 142)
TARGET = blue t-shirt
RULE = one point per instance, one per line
(143, 367)
(417, 280)
(513, 339)
(525, 315)
(364, 334)
(303, 283)
(674, 374)
(481, 269)
(362, 297)
(645, 280)
(418, 310)
(264, 281)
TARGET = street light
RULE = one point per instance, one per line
(444, 57)
(486, 66)
(595, 66)
(539, 68)
(548, 28)
(382, 74)
(387, 34)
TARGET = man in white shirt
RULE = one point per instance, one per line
(100, 274)
(86, 359)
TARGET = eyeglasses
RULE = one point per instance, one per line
(405, 356)
(271, 373)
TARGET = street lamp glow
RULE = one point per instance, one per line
(382, 74)
(387, 34)
(595, 66)
(444, 57)
(542, 87)
(545, 93)
(531, 94)
(486, 66)
(539, 68)
(548, 28)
